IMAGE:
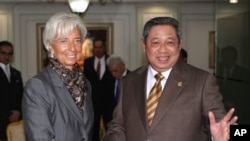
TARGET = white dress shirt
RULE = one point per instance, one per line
(6, 69)
(151, 79)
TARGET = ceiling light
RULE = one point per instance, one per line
(233, 1)
(78, 6)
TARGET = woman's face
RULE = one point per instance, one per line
(162, 47)
(68, 50)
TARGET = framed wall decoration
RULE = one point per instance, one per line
(102, 31)
(42, 59)
(212, 49)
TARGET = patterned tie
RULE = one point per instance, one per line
(117, 93)
(98, 69)
(153, 98)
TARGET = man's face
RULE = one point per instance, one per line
(117, 70)
(5, 54)
(162, 48)
(98, 49)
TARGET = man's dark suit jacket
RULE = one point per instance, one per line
(116, 99)
(102, 90)
(182, 112)
(10, 96)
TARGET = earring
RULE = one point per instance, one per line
(51, 55)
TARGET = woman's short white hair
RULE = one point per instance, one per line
(61, 25)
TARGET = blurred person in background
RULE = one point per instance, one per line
(183, 55)
(102, 83)
(11, 89)
(118, 69)
(234, 82)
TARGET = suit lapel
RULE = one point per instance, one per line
(3, 75)
(63, 94)
(13, 76)
(92, 60)
(140, 94)
(171, 91)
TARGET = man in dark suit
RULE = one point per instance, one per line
(234, 82)
(168, 99)
(102, 82)
(118, 69)
(11, 89)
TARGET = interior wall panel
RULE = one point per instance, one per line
(196, 29)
